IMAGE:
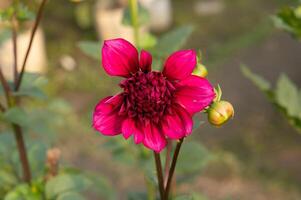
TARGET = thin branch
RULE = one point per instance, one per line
(172, 168)
(22, 153)
(167, 161)
(159, 175)
(35, 27)
(14, 39)
(5, 86)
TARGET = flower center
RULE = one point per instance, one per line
(148, 96)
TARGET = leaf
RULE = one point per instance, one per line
(36, 157)
(31, 86)
(70, 196)
(287, 96)
(65, 183)
(101, 186)
(91, 49)
(31, 92)
(193, 157)
(172, 41)
(288, 19)
(23, 13)
(16, 115)
(257, 80)
(7, 178)
(169, 43)
(147, 41)
(23, 192)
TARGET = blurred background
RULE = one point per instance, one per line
(257, 156)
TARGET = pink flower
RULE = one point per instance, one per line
(154, 105)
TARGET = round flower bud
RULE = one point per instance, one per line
(220, 112)
(200, 71)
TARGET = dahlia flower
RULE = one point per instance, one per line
(153, 106)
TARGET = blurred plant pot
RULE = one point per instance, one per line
(160, 14)
(109, 22)
(37, 60)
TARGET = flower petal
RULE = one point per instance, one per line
(178, 124)
(194, 93)
(119, 57)
(153, 139)
(145, 61)
(106, 119)
(180, 64)
(129, 127)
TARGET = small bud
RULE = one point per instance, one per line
(220, 112)
(52, 162)
(200, 71)
(298, 12)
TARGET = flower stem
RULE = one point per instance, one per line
(167, 161)
(22, 153)
(35, 27)
(159, 175)
(172, 168)
(14, 40)
(134, 19)
(6, 87)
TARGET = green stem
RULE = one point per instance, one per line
(33, 32)
(172, 168)
(134, 19)
(159, 175)
(22, 153)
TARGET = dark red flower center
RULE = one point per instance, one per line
(147, 96)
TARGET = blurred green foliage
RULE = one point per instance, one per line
(289, 19)
(285, 96)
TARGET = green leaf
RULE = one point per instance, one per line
(16, 115)
(31, 86)
(192, 152)
(257, 80)
(7, 178)
(101, 186)
(143, 16)
(288, 19)
(6, 14)
(287, 96)
(70, 196)
(31, 92)
(37, 156)
(23, 192)
(169, 43)
(23, 13)
(172, 41)
(147, 41)
(91, 48)
(65, 183)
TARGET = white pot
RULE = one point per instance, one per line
(109, 24)
(36, 62)
(160, 13)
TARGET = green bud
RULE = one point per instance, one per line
(200, 71)
(220, 112)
